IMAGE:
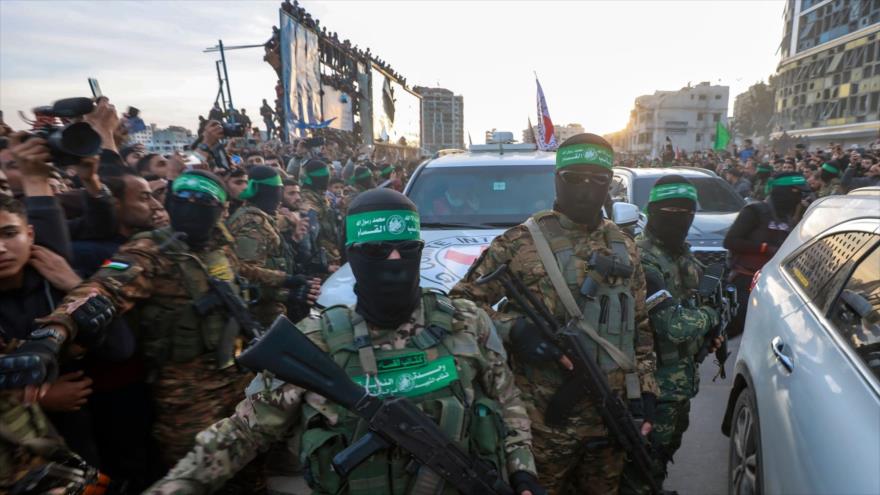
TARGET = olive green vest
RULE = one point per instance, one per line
(682, 277)
(416, 372)
(611, 312)
(170, 328)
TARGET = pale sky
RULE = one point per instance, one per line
(593, 57)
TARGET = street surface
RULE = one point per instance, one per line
(700, 466)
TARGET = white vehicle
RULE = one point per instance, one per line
(465, 200)
(804, 412)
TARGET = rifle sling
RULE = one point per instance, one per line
(545, 254)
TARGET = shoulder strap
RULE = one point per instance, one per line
(545, 254)
(344, 331)
(617, 243)
(439, 312)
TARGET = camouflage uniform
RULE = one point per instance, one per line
(272, 408)
(758, 187)
(328, 220)
(830, 189)
(258, 242)
(574, 458)
(679, 331)
(193, 377)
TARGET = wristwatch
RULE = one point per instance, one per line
(48, 332)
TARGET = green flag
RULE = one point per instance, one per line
(722, 136)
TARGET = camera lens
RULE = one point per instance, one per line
(77, 139)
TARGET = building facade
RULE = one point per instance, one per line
(562, 132)
(174, 138)
(827, 85)
(688, 117)
(442, 119)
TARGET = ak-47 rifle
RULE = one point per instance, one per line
(715, 292)
(572, 341)
(291, 356)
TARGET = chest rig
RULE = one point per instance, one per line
(172, 329)
(682, 277)
(431, 371)
(603, 304)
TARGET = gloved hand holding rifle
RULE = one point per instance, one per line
(714, 292)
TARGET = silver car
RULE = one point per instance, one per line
(465, 200)
(804, 412)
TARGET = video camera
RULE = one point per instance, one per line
(70, 142)
(233, 129)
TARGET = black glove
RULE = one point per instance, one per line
(91, 318)
(33, 363)
(524, 480)
(300, 295)
(294, 282)
(644, 408)
(529, 345)
(654, 283)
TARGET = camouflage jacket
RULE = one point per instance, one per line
(516, 247)
(328, 222)
(273, 407)
(140, 273)
(258, 242)
(758, 187)
(830, 189)
(679, 329)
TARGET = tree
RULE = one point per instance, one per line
(753, 111)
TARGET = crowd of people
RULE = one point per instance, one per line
(130, 281)
(124, 252)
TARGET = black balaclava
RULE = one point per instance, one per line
(786, 192)
(387, 290)
(671, 228)
(582, 202)
(196, 219)
(265, 189)
(363, 177)
(315, 175)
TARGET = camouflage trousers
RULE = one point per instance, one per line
(190, 397)
(672, 420)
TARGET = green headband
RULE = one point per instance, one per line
(788, 180)
(387, 170)
(321, 172)
(830, 168)
(362, 175)
(251, 190)
(584, 154)
(382, 225)
(765, 168)
(192, 182)
(673, 191)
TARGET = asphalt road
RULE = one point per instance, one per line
(700, 466)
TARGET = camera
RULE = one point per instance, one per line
(73, 141)
(233, 129)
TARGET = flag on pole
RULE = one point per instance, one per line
(722, 137)
(545, 135)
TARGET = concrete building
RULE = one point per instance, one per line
(144, 137)
(563, 132)
(442, 119)
(687, 116)
(174, 138)
(828, 81)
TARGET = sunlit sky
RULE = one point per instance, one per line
(593, 57)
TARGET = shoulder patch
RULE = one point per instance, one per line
(116, 265)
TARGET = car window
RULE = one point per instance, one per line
(482, 196)
(821, 268)
(618, 190)
(856, 313)
(714, 195)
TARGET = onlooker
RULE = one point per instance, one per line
(740, 184)
(152, 164)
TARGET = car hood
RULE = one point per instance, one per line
(709, 229)
(447, 256)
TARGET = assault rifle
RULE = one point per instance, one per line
(715, 292)
(291, 356)
(572, 341)
(222, 295)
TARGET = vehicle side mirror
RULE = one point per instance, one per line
(625, 214)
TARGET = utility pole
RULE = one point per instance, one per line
(223, 79)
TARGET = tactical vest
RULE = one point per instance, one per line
(611, 311)
(430, 372)
(682, 278)
(770, 230)
(171, 330)
(277, 260)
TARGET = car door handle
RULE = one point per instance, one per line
(778, 347)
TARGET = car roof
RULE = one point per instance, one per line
(659, 172)
(488, 159)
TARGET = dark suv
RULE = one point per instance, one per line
(717, 207)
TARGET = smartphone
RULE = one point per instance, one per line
(96, 88)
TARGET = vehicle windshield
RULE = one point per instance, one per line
(714, 195)
(482, 197)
